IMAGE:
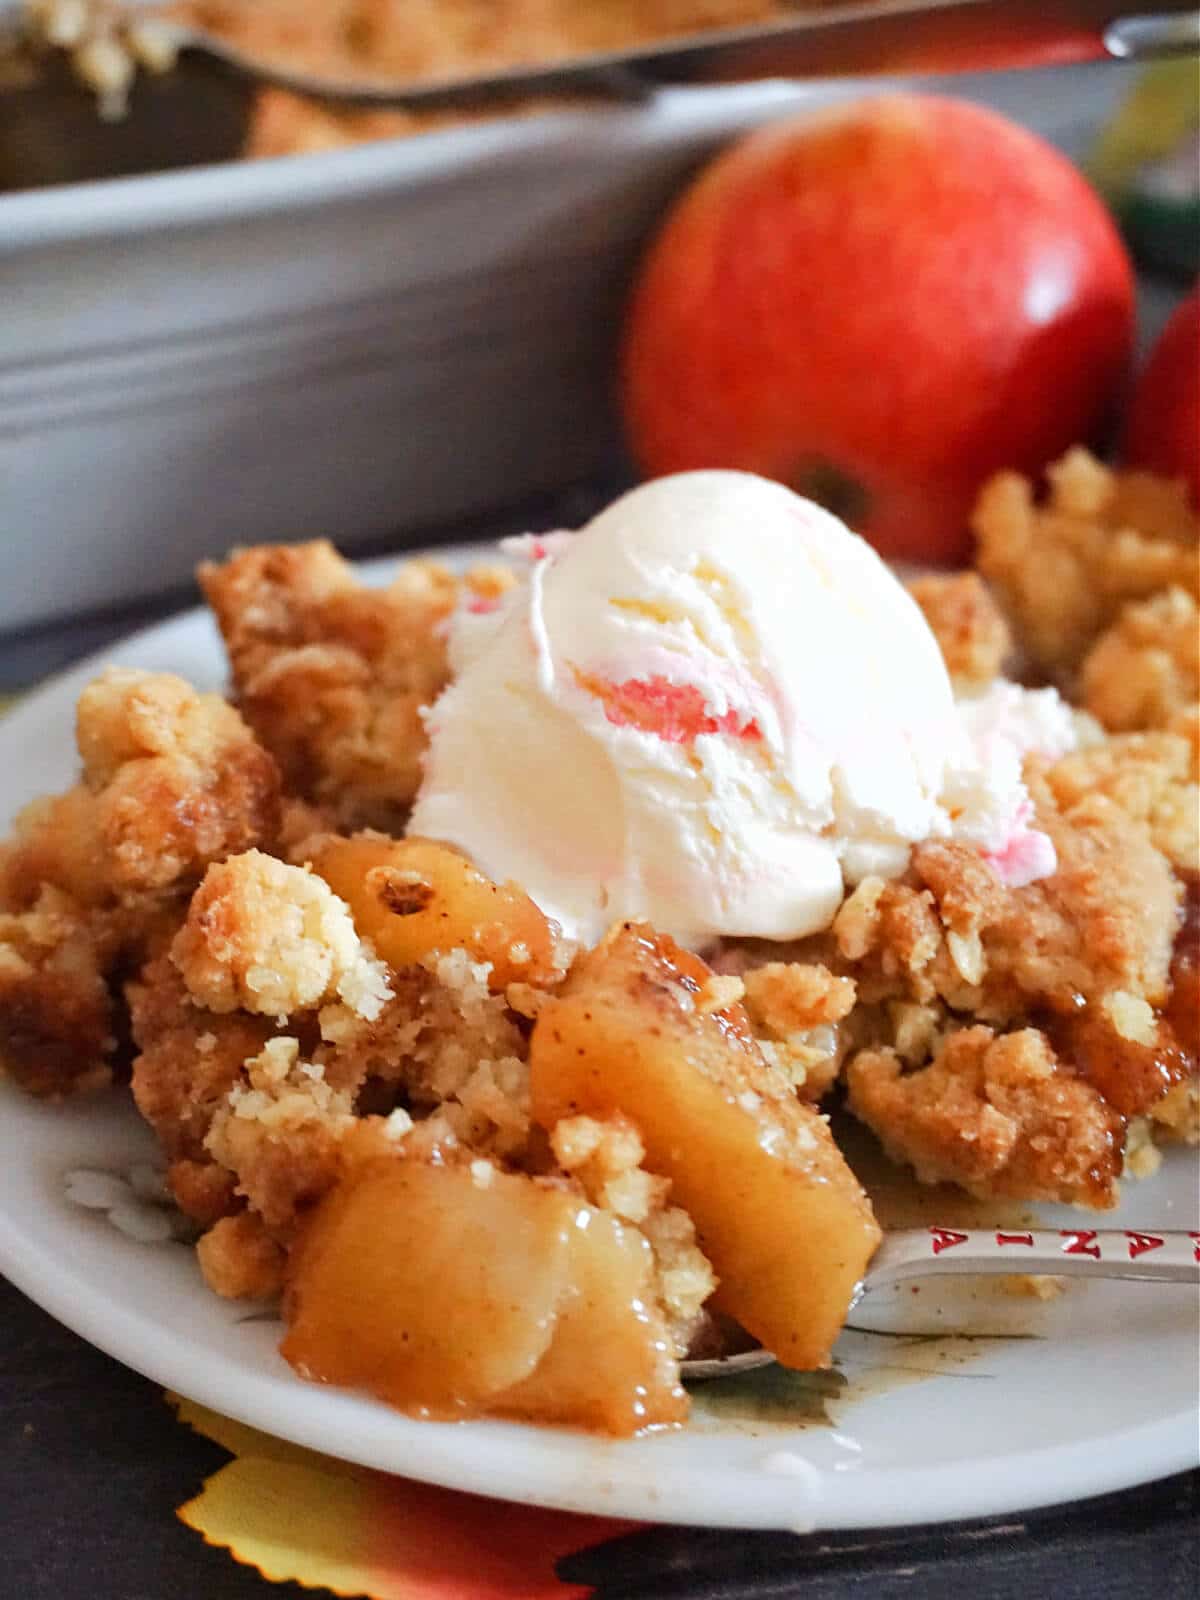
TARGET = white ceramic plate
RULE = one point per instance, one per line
(1103, 1395)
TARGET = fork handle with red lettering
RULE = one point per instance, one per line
(1170, 1256)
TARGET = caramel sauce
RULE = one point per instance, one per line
(683, 975)
(1183, 1005)
(1132, 1077)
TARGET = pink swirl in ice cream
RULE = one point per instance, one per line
(676, 712)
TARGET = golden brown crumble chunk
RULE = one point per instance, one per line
(1089, 953)
(1144, 671)
(92, 881)
(996, 1115)
(794, 1009)
(446, 1042)
(967, 623)
(56, 1014)
(333, 675)
(951, 931)
(270, 938)
(251, 1110)
(172, 780)
(178, 778)
(1105, 920)
(606, 1156)
(240, 1260)
(278, 1131)
(1064, 569)
(1152, 777)
(189, 1060)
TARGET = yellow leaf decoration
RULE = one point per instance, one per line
(308, 1518)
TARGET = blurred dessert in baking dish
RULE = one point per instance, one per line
(401, 40)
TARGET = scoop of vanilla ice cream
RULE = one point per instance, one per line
(711, 708)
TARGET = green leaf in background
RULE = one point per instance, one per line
(1146, 162)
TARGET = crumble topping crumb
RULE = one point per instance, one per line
(525, 1000)
(856, 922)
(605, 1156)
(685, 1275)
(240, 1260)
(967, 954)
(719, 992)
(274, 939)
(1142, 1156)
(278, 1131)
(796, 1009)
(997, 1115)
(332, 675)
(397, 1124)
(968, 625)
(1065, 569)
(1144, 670)
(1177, 1114)
(1131, 1016)
(1034, 1286)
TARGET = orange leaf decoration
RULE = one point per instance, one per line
(296, 1515)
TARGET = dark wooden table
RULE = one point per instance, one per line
(93, 1463)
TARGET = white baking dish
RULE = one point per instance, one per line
(363, 343)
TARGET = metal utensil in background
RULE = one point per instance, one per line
(874, 36)
(201, 111)
(1157, 1256)
(1145, 38)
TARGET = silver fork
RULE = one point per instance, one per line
(1159, 1256)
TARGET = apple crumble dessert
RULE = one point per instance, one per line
(486, 969)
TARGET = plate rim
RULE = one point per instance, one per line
(987, 1486)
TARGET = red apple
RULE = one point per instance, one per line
(1163, 428)
(879, 304)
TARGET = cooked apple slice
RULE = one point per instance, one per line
(610, 1364)
(451, 1290)
(431, 1291)
(411, 897)
(779, 1214)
